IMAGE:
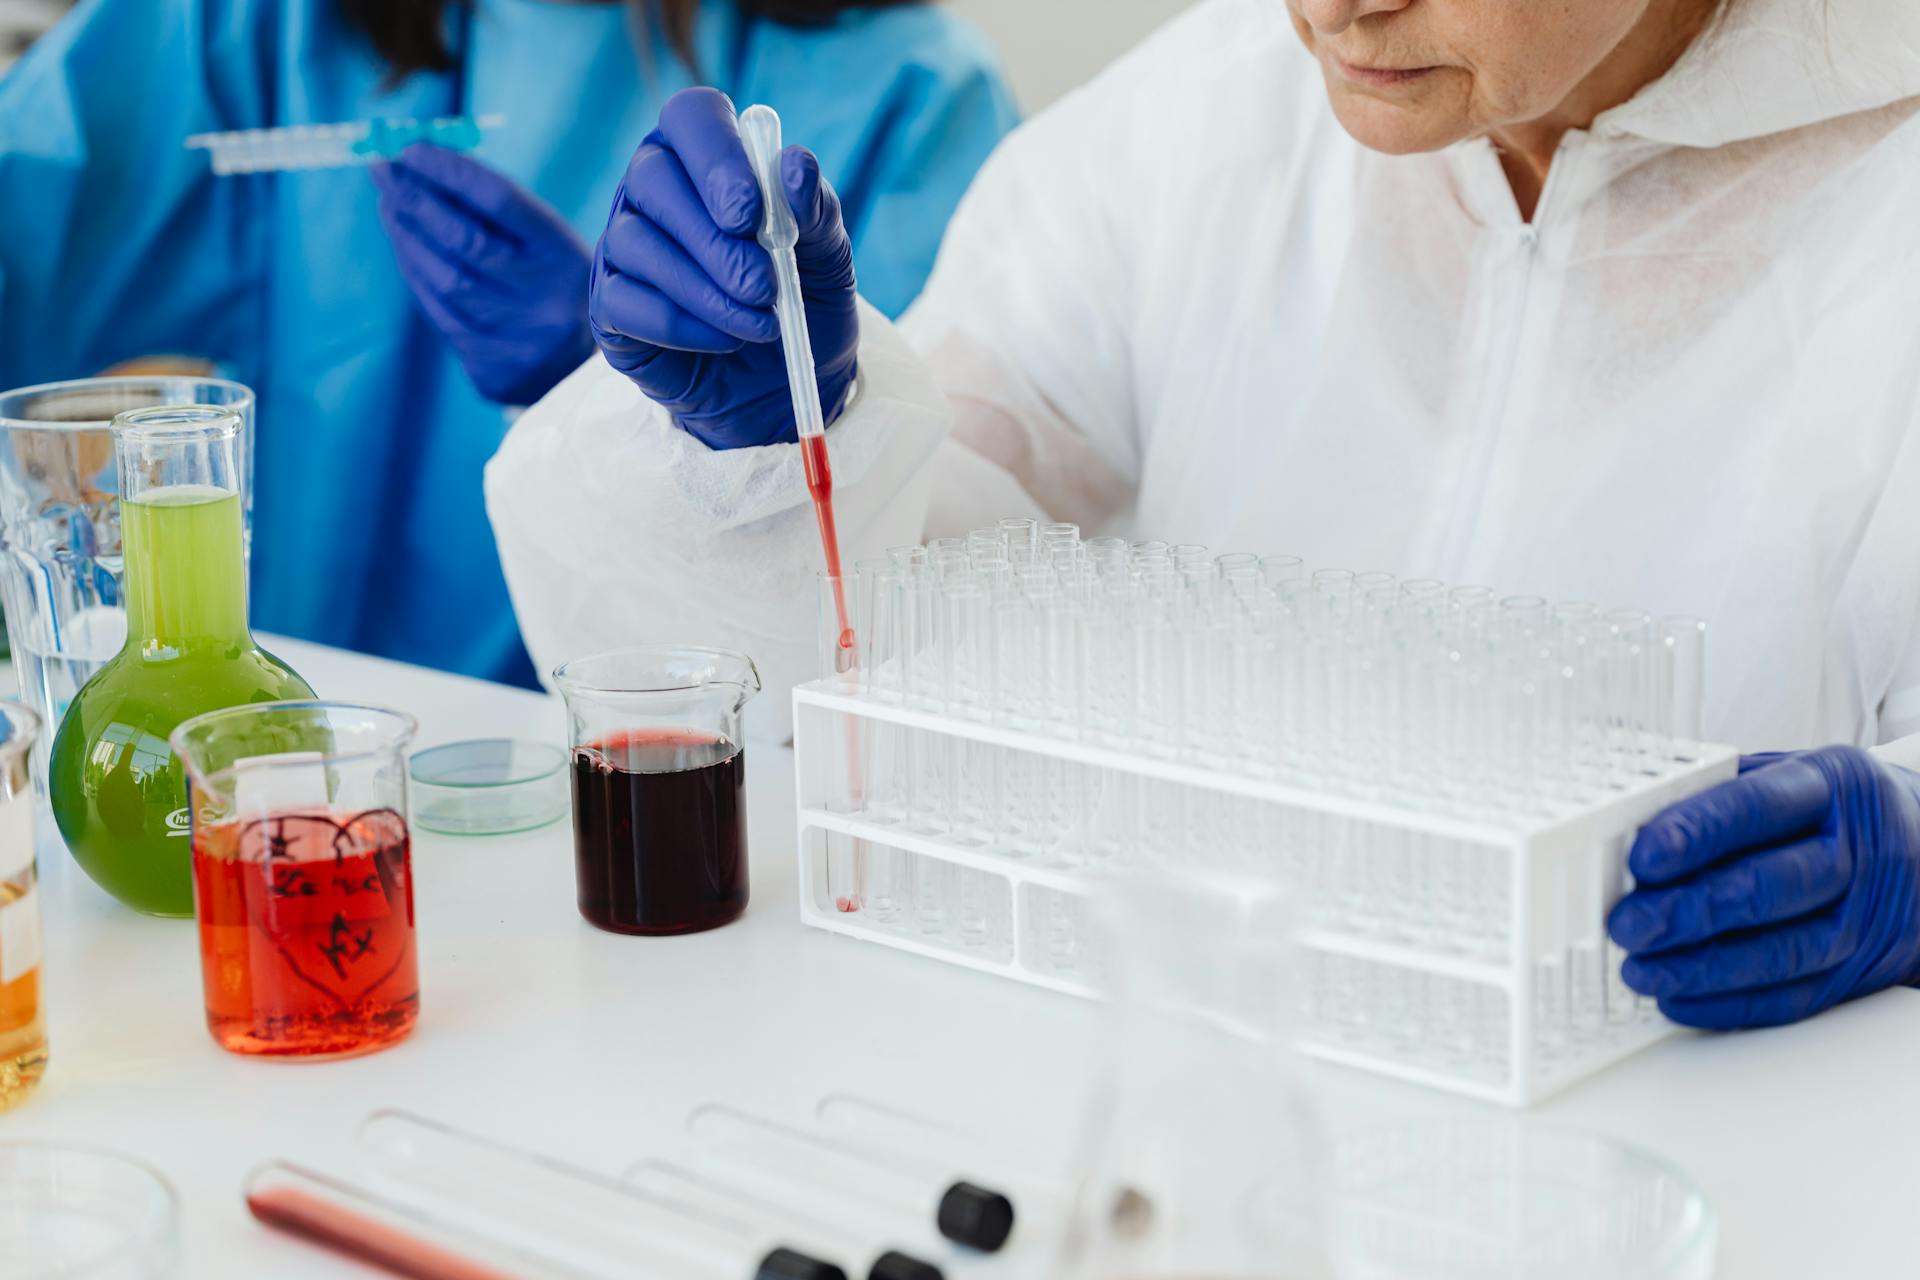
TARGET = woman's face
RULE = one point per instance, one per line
(1418, 75)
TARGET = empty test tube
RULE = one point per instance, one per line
(1683, 659)
(595, 1215)
(967, 646)
(837, 1174)
(875, 630)
(1630, 682)
(891, 1132)
(1275, 570)
(1354, 680)
(702, 1192)
(1020, 532)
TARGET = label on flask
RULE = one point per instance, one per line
(16, 836)
(20, 937)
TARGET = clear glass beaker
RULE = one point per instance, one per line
(116, 792)
(61, 577)
(659, 772)
(303, 876)
(23, 1026)
(1202, 1157)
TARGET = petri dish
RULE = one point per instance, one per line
(1469, 1200)
(80, 1212)
(488, 787)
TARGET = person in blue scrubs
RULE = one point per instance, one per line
(390, 326)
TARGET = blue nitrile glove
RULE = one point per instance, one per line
(499, 273)
(1778, 894)
(682, 297)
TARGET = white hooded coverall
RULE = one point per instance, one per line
(1184, 304)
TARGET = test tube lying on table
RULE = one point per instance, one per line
(839, 1179)
(396, 1237)
(691, 1238)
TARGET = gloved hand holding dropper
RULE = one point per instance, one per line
(682, 295)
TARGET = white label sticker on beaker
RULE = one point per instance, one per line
(16, 836)
(273, 784)
(20, 937)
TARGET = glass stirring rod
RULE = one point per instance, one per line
(779, 233)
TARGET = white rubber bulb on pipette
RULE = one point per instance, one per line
(760, 130)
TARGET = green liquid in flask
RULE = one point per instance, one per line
(119, 795)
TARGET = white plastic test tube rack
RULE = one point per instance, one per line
(1451, 779)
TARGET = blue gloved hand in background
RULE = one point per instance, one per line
(496, 270)
(682, 296)
(1778, 894)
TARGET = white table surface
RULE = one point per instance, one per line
(542, 1031)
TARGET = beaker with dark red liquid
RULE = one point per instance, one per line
(303, 876)
(659, 774)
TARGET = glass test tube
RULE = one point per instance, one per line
(590, 1215)
(1275, 570)
(704, 1193)
(1683, 662)
(409, 1241)
(1582, 677)
(986, 544)
(904, 1135)
(1526, 715)
(860, 875)
(874, 628)
(844, 1179)
(832, 659)
(1630, 684)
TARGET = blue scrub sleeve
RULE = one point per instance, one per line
(940, 126)
(114, 240)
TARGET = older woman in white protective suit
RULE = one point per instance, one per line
(1609, 298)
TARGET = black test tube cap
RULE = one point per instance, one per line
(899, 1266)
(975, 1217)
(788, 1264)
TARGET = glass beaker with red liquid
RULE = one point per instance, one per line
(303, 876)
(659, 775)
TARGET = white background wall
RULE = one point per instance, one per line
(1049, 46)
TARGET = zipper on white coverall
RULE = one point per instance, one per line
(1507, 331)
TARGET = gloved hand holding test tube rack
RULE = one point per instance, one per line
(1450, 778)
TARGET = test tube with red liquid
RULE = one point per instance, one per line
(396, 1237)
(303, 876)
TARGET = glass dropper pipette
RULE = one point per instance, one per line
(779, 233)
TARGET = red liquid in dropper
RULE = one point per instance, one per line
(813, 455)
